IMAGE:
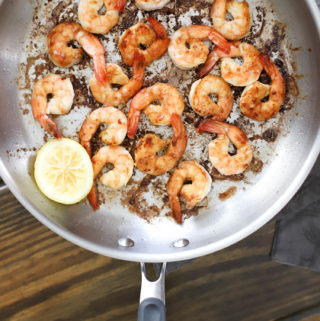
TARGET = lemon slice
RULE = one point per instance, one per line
(63, 171)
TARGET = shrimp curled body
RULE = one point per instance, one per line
(63, 55)
(250, 102)
(60, 104)
(118, 176)
(123, 165)
(201, 102)
(155, 40)
(106, 95)
(146, 156)
(92, 21)
(193, 193)
(149, 5)
(113, 135)
(218, 148)
(187, 49)
(232, 72)
(170, 100)
(240, 26)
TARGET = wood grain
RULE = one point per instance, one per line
(43, 277)
(312, 318)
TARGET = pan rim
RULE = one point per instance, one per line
(186, 253)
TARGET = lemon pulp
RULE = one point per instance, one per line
(63, 171)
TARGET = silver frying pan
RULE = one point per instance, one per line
(115, 232)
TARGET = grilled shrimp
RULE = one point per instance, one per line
(113, 135)
(250, 102)
(147, 160)
(106, 95)
(92, 21)
(232, 72)
(117, 177)
(201, 102)
(149, 5)
(193, 193)
(154, 39)
(60, 104)
(187, 49)
(170, 99)
(218, 148)
(240, 26)
(63, 55)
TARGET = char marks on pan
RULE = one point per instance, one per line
(145, 195)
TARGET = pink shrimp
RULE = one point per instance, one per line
(60, 104)
(170, 99)
(232, 72)
(155, 40)
(63, 55)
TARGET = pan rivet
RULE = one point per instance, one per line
(180, 243)
(126, 242)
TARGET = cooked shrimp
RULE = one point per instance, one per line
(187, 49)
(147, 160)
(250, 102)
(240, 26)
(201, 102)
(170, 100)
(118, 176)
(92, 21)
(193, 193)
(60, 104)
(218, 148)
(106, 95)
(149, 5)
(113, 135)
(63, 55)
(154, 39)
(232, 72)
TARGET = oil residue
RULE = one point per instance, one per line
(146, 195)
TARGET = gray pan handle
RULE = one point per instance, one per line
(152, 297)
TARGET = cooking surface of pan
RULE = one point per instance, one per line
(282, 162)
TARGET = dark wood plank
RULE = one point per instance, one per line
(44, 277)
(311, 314)
(312, 318)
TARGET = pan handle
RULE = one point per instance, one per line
(152, 297)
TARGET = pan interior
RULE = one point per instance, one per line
(284, 147)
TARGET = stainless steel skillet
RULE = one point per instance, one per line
(118, 234)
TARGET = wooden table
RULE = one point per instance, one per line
(44, 277)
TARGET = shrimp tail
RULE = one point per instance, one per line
(264, 59)
(212, 126)
(99, 66)
(267, 64)
(94, 198)
(176, 208)
(159, 29)
(177, 125)
(139, 65)
(180, 138)
(178, 129)
(120, 5)
(134, 112)
(50, 126)
(220, 42)
(209, 64)
(133, 121)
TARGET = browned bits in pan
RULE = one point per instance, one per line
(267, 34)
